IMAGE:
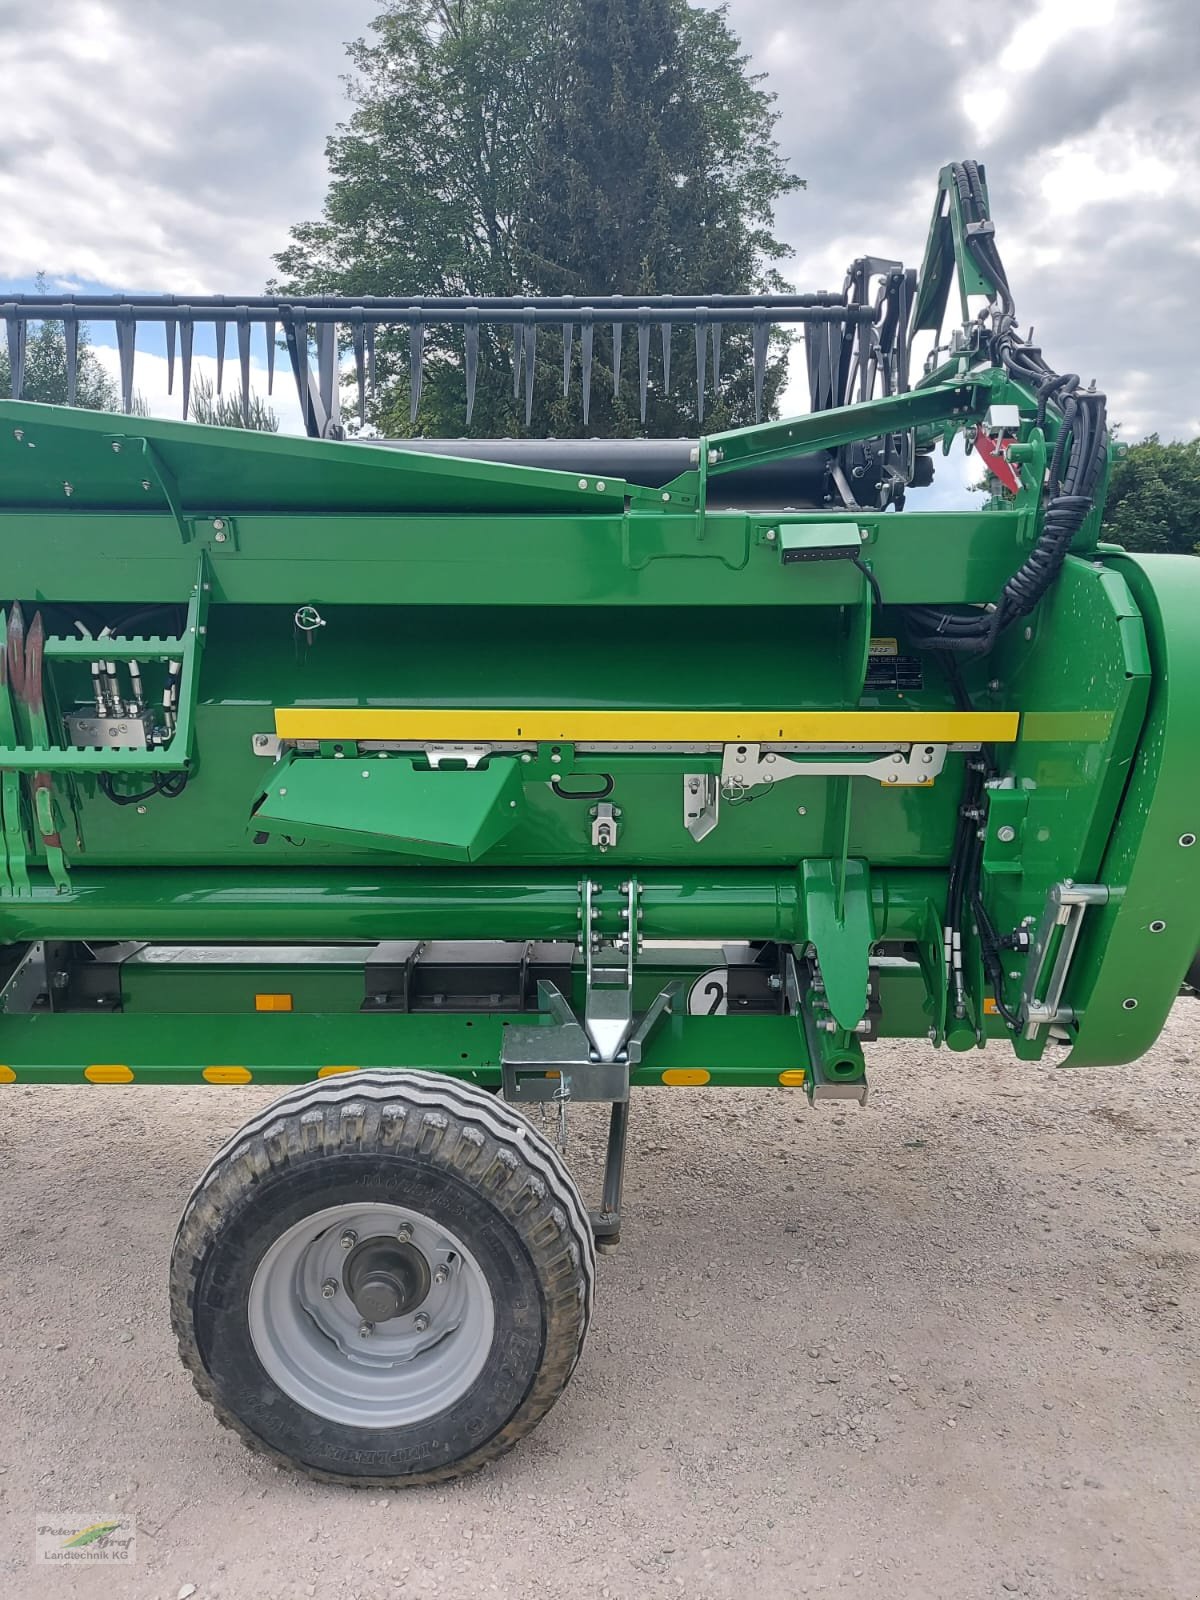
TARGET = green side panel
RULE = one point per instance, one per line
(386, 804)
(139, 463)
(1138, 947)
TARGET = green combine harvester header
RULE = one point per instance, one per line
(407, 772)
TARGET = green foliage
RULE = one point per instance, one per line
(46, 371)
(1154, 497)
(527, 146)
(225, 410)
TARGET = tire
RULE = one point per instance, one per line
(469, 1219)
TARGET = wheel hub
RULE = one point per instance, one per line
(386, 1277)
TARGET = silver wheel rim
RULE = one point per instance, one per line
(405, 1369)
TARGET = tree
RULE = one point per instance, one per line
(526, 146)
(1154, 497)
(46, 371)
(225, 410)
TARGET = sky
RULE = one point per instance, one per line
(155, 146)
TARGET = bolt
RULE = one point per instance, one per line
(349, 1239)
(1028, 634)
(116, 444)
(583, 483)
(600, 486)
(329, 1288)
(556, 758)
(1129, 1005)
(442, 1274)
(421, 1321)
(282, 792)
(994, 684)
(1157, 926)
(219, 537)
(801, 811)
(18, 434)
(770, 536)
(1006, 835)
(366, 772)
(146, 485)
(219, 523)
(141, 811)
(666, 497)
(261, 740)
(68, 489)
(932, 1035)
(1186, 840)
(404, 1231)
(365, 1330)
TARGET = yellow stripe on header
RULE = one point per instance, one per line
(571, 726)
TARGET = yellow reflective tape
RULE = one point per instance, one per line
(990, 1008)
(227, 1075)
(331, 1072)
(108, 1074)
(793, 1078)
(7, 1075)
(571, 725)
(272, 1002)
(686, 1075)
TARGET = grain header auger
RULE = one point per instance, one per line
(410, 775)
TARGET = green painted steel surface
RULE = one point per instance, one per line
(282, 573)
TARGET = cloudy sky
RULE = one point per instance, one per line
(152, 145)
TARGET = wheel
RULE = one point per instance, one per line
(384, 1279)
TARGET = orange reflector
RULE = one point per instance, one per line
(554, 1074)
(332, 1072)
(793, 1078)
(272, 1002)
(990, 1008)
(7, 1075)
(686, 1075)
(108, 1074)
(227, 1075)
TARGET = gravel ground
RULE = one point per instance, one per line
(945, 1346)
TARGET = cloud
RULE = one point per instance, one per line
(159, 146)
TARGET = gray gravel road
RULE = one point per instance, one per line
(945, 1346)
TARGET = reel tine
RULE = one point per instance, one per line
(360, 364)
(416, 369)
(126, 330)
(530, 361)
(616, 327)
(243, 341)
(586, 335)
(219, 326)
(760, 333)
(169, 329)
(643, 334)
(666, 353)
(568, 332)
(701, 359)
(71, 341)
(471, 352)
(326, 334)
(518, 356)
(16, 351)
(270, 331)
(187, 329)
(716, 339)
(371, 357)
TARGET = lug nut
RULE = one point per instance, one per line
(365, 1330)
(329, 1288)
(349, 1239)
(420, 1322)
(442, 1275)
(404, 1231)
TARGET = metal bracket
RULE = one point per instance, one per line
(1065, 907)
(701, 803)
(744, 765)
(605, 825)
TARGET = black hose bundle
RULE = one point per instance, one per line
(1075, 468)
